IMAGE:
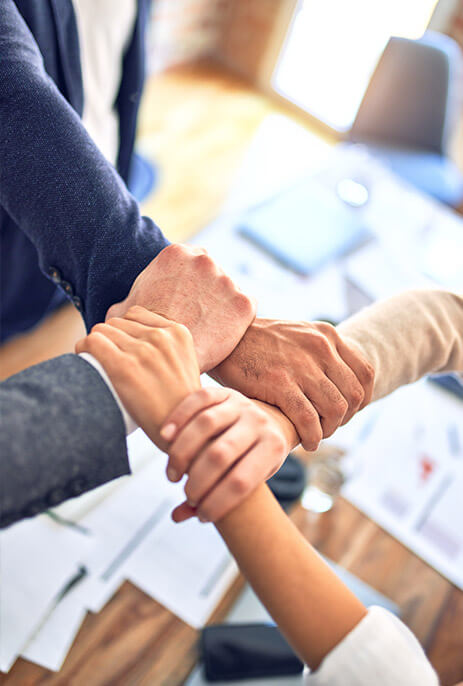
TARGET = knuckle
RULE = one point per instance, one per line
(217, 455)
(258, 417)
(326, 329)
(321, 344)
(204, 262)
(239, 484)
(173, 250)
(242, 303)
(99, 328)
(196, 250)
(206, 422)
(357, 395)
(225, 281)
(207, 394)
(181, 332)
(340, 407)
(278, 443)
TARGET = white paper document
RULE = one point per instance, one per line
(51, 644)
(124, 533)
(186, 568)
(38, 559)
(408, 475)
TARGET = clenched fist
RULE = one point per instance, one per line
(305, 369)
(184, 284)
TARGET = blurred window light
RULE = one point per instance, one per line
(332, 48)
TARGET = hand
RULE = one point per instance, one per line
(227, 444)
(151, 362)
(185, 285)
(307, 370)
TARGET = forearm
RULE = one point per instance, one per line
(58, 187)
(407, 336)
(309, 603)
(61, 434)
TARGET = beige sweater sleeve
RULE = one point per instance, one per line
(408, 336)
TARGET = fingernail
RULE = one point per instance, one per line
(168, 432)
(172, 474)
(203, 519)
(191, 503)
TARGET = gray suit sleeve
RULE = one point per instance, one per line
(61, 434)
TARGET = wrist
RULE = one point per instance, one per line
(129, 423)
(285, 426)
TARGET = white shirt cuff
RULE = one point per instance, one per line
(380, 650)
(130, 425)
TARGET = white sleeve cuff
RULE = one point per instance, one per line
(130, 425)
(380, 650)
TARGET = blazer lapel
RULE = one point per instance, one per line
(69, 51)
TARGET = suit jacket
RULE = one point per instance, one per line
(61, 434)
(68, 226)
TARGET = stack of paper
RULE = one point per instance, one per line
(53, 572)
(407, 474)
(39, 559)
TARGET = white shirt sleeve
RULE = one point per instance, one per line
(130, 425)
(379, 651)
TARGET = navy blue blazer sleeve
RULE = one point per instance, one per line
(58, 187)
(61, 434)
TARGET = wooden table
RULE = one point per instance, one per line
(196, 122)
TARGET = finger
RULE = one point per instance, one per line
(134, 328)
(218, 457)
(122, 339)
(327, 401)
(247, 474)
(183, 512)
(185, 411)
(348, 386)
(81, 346)
(140, 314)
(362, 369)
(102, 349)
(300, 411)
(194, 437)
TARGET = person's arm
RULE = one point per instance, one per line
(151, 362)
(408, 336)
(318, 380)
(86, 226)
(61, 434)
(402, 338)
(58, 187)
(320, 376)
(323, 621)
(61, 428)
